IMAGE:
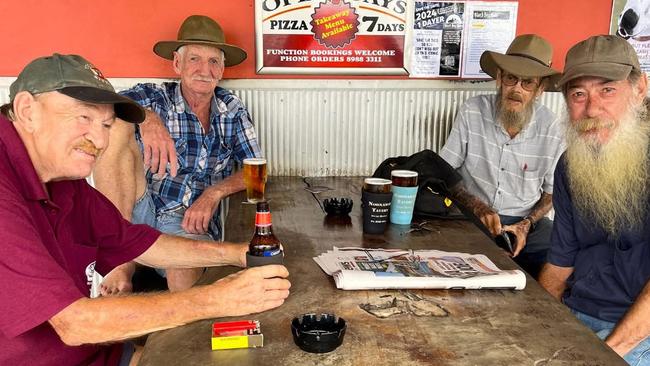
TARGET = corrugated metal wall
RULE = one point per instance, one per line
(346, 127)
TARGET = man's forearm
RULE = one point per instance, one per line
(634, 327)
(488, 217)
(553, 279)
(178, 252)
(230, 185)
(464, 198)
(110, 319)
(113, 319)
(542, 207)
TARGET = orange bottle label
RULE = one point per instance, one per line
(263, 219)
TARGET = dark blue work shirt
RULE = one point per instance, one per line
(609, 273)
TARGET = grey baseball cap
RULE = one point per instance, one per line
(605, 56)
(75, 77)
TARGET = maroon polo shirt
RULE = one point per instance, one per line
(48, 242)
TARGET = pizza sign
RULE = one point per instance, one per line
(330, 36)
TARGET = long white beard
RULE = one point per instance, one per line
(609, 181)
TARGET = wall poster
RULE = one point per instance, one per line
(631, 20)
(447, 38)
(362, 37)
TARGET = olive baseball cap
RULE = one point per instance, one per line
(75, 77)
(606, 56)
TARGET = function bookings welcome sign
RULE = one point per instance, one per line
(330, 36)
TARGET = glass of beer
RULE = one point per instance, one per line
(376, 197)
(404, 178)
(255, 179)
(376, 185)
(405, 189)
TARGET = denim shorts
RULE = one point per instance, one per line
(144, 212)
(638, 356)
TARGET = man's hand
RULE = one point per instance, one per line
(198, 215)
(242, 254)
(159, 147)
(252, 290)
(485, 213)
(520, 229)
(489, 218)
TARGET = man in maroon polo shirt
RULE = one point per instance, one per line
(56, 230)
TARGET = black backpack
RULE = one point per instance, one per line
(436, 178)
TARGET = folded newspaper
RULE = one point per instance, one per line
(365, 269)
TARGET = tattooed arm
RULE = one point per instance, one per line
(485, 213)
(522, 228)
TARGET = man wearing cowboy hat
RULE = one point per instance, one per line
(56, 231)
(211, 130)
(506, 146)
(599, 261)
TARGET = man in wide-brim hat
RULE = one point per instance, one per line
(506, 146)
(190, 173)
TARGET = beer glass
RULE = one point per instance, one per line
(375, 204)
(255, 179)
(376, 185)
(405, 189)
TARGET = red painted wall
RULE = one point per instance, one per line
(118, 35)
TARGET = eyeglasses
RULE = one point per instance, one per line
(511, 80)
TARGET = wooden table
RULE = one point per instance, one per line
(484, 327)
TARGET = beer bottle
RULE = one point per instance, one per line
(264, 247)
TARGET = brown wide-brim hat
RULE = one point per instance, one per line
(529, 55)
(201, 30)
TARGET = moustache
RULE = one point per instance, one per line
(88, 148)
(588, 124)
(515, 96)
(201, 78)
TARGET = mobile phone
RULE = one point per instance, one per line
(507, 241)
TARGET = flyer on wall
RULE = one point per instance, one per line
(490, 26)
(330, 37)
(631, 20)
(436, 38)
(447, 38)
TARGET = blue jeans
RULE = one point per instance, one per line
(144, 212)
(638, 356)
(127, 353)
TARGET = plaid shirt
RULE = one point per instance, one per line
(204, 159)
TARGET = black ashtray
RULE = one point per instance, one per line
(337, 206)
(318, 333)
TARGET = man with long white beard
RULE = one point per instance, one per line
(599, 261)
(505, 146)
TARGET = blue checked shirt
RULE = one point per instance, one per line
(509, 174)
(203, 158)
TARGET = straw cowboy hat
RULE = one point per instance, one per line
(528, 56)
(199, 29)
